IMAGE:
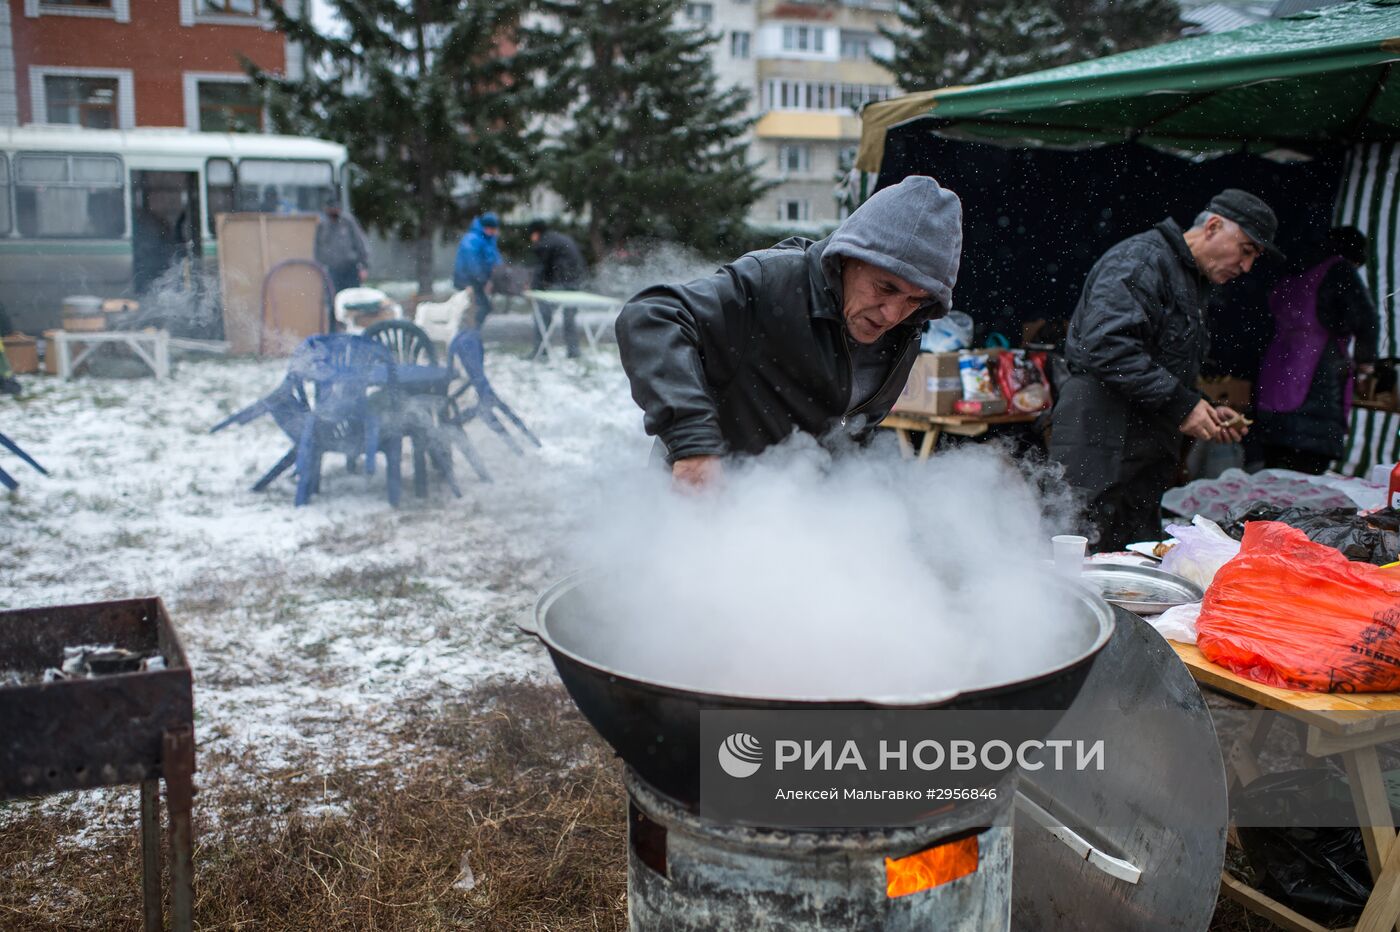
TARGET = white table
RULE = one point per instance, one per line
(150, 346)
(593, 324)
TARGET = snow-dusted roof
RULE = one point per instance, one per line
(1216, 17)
(168, 143)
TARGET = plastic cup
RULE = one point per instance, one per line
(1069, 553)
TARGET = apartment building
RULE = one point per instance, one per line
(809, 65)
(119, 64)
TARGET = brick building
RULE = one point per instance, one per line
(118, 64)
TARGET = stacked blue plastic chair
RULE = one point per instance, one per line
(7, 480)
(340, 367)
(288, 407)
(411, 408)
(466, 351)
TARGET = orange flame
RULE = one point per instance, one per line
(931, 868)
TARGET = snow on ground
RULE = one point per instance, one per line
(311, 631)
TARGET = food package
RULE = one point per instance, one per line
(1296, 614)
(1021, 376)
(977, 378)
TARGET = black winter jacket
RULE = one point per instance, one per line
(1135, 346)
(738, 361)
(559, 262)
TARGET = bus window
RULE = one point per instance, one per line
(218, 179)
(69, 196)
(5, 218)
(290, 186)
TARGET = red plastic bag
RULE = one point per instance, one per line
(1291, 613)
(1022, 380)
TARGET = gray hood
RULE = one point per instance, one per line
(912, 229)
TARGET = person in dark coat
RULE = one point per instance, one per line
(817, 337)
(1135, 345)
(559, 266)
(341, 247)
(1305, 379)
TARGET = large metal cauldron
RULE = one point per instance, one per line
(655, 726)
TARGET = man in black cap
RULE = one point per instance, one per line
(1135, 346)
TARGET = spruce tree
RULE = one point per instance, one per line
(430, 97)
(652, 146)
(942, 43)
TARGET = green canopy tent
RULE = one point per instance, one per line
(1286, 88)
(1307, 81)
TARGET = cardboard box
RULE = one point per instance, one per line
(23, 353)
(934, 385)
(1227, 390)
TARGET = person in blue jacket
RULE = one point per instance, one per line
(477, 256)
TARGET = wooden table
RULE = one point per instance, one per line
(1350, 726)
(931, 426)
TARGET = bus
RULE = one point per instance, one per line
(118, 213)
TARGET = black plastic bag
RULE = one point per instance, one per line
(1320, 872)
(1373, 538)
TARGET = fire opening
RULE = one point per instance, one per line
(931, 867)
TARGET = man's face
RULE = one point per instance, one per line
(490, 231)
(1224, 252)
(333, 211)
(875, 300)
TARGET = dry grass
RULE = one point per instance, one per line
(513, 780)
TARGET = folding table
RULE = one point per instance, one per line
(1349, 725)
(578, 302)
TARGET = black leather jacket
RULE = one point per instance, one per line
(738, 361)
(1135, 346)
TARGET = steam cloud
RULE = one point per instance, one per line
(857, 577)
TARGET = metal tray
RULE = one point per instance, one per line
(1142, 590)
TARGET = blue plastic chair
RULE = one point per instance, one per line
(341, 367)
(466, 350)
(6, 479)
(288, 406)
(410, 408)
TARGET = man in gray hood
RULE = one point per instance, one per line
(813, 337)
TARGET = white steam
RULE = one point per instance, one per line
(804, 576)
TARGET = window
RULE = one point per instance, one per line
(739, 45)
(69, 196)
(793, 210)
(229, 107)
(813, 95)
(86, 102)
(5, 218)
(266, 185)
(803, 39)
(856, 44)
(119, 10)
(230, 7)
(219, 189)
(700, 12)
(795, 159)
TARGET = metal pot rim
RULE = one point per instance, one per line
(1101, 609)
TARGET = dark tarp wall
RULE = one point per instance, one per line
(1036, 220)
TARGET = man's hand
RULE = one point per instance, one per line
(364, 275)
(696, 472)
(1232, 425)
(1203, 422)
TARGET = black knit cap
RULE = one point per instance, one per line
(1255, 218)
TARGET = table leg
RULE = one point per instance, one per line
(162, 355)
(541, 330)
(150, 855)
(65, 359)
(1243, 759)
(177, 763)
(906, 448)
(930, 441)
(1369, 796)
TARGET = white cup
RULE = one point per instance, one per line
(1069, 553)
